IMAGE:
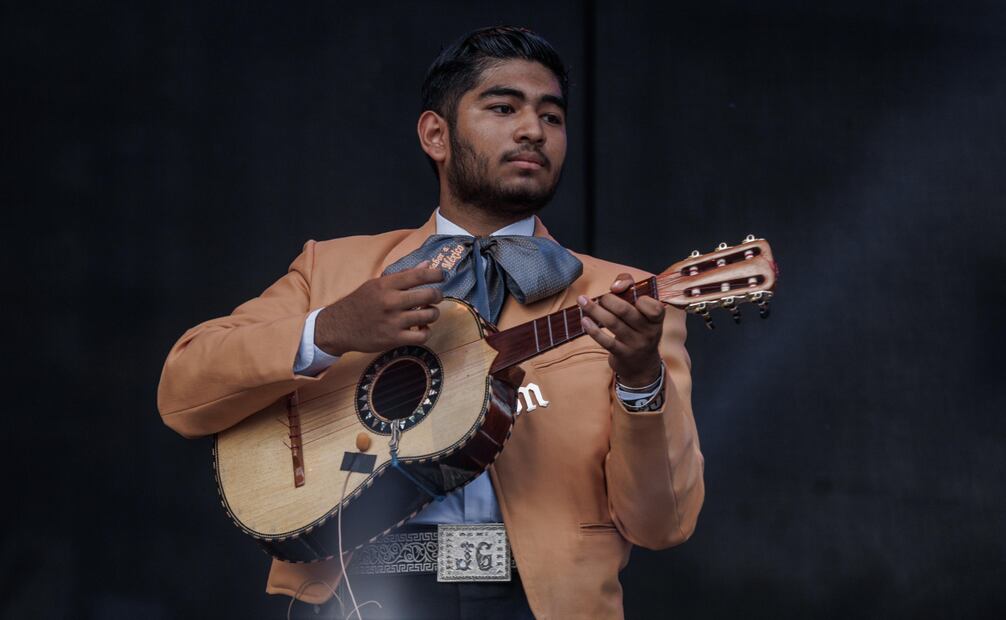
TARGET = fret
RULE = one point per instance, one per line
(514, 344)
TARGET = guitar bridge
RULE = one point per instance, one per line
(296, 443)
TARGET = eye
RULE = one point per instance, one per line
(502, 108)
(553, 119)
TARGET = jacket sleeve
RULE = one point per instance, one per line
(654, 467)
(227, 368)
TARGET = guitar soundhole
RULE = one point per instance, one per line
(399, 389)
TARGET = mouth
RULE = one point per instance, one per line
(528, 161)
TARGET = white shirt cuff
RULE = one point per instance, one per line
(310, 359)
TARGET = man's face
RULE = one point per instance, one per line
(508, 143)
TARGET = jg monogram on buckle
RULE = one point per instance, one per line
(478, 552)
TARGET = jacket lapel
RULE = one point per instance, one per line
(411, 241)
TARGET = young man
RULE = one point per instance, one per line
(605, 454)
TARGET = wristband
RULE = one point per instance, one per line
(651, 397)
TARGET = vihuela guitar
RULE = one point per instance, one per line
(382, 435)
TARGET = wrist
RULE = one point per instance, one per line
(640, 399)
(647, 398)
(643, 381)
(327, 334)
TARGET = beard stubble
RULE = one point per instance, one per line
(468, 178)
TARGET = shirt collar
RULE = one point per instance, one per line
(524, 227)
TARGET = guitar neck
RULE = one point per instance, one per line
(522, 342)
(724, 278)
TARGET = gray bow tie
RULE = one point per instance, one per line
(531, 268)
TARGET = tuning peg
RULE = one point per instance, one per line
(749, 239)
(695, 254)
(730, 303)
(763, 309)
(722, 246)
(702, 309)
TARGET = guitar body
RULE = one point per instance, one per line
(377, 438)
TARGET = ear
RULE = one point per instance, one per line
(433, 137)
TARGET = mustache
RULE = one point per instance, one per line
(513, 154)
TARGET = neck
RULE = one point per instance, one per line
(478, 221)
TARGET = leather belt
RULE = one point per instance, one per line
(469, 552)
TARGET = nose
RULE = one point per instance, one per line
(529, 129)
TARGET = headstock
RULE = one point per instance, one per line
(724, 278)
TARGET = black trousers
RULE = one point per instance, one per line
(422, 597)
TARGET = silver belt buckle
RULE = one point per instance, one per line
(477, 552)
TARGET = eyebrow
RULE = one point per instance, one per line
(506, 91)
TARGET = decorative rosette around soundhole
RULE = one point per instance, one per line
(399, 387)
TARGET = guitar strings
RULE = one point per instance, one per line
(352, 386)
(524, 337)
(396, 395)
(664, 284)
(330, 417)
(310, 434)
(305, 441)
(310, 414)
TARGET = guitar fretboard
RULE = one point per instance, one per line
(524, 341)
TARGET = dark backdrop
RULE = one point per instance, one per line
(164, 161)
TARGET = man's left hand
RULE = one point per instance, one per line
(631, 332)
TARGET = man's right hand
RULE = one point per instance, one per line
(382, 314)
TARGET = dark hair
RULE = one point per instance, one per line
(460, 65)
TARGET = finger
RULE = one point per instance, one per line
(417, 276)
(414, 336)
(420, 317)
(651, 309)
(602, 316)
(625, 311)
(607, 341)
(622, 282)
(418, 297)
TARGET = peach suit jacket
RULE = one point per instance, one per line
(579, 482)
